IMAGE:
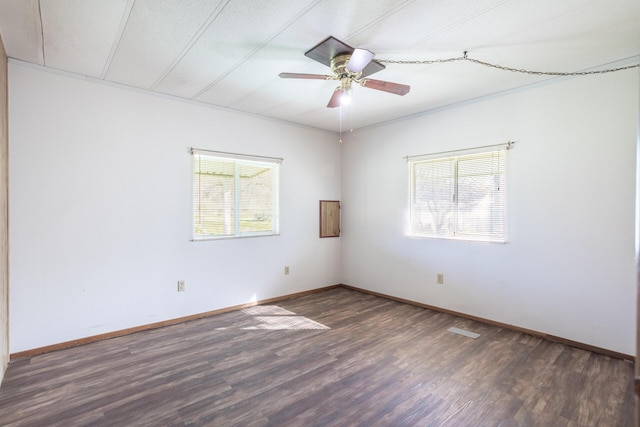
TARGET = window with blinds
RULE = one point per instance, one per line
(234, 196)
(459, 197)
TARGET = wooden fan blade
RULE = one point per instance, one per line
(304, 76)
(335, 98)
(327, 49)
(395, 88)
(372, 67)
(360, 58)
(331, 47)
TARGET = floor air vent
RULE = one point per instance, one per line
(463, 332)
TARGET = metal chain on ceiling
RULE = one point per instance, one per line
(503, 68)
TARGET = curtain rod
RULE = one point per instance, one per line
(507, 145)
(226, 153)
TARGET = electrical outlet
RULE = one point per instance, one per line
(286, 269)
(181, 286)
(440, 279)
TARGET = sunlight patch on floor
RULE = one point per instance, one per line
(267, 310)
(272, 317)
(285, 322)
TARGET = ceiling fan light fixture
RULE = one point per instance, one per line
(348, 66)
(345, 98)
(358, 60)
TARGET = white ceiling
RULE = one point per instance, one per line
(229, 53)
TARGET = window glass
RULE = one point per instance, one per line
(234, 197)
(459, 197)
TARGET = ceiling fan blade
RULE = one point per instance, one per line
(360, 58)
(304, 76)
(335, 98)
(331, 47)
(372, 67)
(327, 49)
(395, 88)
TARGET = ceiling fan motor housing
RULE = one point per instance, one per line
(340, 71)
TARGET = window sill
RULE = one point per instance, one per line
(208, 239)
(458, 238)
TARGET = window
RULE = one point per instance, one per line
(234, 195)
(460, 197)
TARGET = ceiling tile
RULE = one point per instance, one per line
(241, 30)
(79, 34)
(420, 20)
(21, 30)
(157, 34)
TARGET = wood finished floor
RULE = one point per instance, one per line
(335, 358)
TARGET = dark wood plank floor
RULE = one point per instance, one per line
(335, 358)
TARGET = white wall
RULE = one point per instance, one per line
(100, 209)
(100, 205)
(4, 214)
(568, 268)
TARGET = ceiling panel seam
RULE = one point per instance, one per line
(203, 28)
(256, 50)
(547, 21)
(121, 86)
(456, 24)
(379, 19)
(126, 14)
(37, 23)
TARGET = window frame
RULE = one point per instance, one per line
(238, 161)
(464, 156)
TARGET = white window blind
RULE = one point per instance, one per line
(234, 195)
(459, 197)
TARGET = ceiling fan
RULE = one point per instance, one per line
(348, 66)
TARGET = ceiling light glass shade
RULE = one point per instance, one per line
(345, 99)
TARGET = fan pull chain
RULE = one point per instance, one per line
(340, 114)
(351, 112)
